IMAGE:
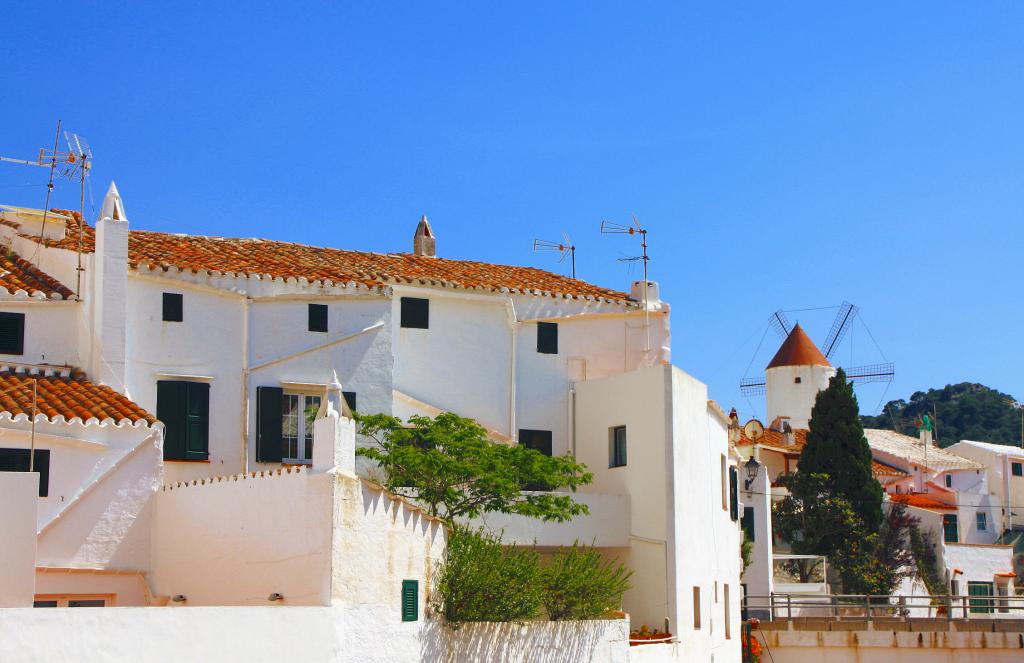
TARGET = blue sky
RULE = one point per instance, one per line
(785, 155)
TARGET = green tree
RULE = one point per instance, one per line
(450, 466)
(964, 411)
(579, 584)
(836, 447)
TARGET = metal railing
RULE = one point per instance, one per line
(837, 607)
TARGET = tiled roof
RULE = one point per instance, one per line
(881, 469)
(69, 397)
(921, 501)
(910, 450)
(777, 441)
(19, 276)
(798, 350)
(1001, 449)
(260, 257)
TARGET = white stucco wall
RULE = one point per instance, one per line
(598, 641)
(607, 524)
(51, 331)
(18, 494)
(978, 562)
(236, 540)
(704, 539)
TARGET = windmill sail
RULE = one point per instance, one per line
(847, 312)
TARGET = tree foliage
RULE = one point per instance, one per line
(481, 580)
(579, 584)
(450, 466)
(966, 411)
(836, 447)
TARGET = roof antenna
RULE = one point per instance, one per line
(81, 158)
(565, 247)
(612, 228)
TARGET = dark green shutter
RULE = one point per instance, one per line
(748, 522)
(950, 529)
(317, 317)
(734, 496)
(547, 338)
(12, 333)
(410, 600)
(174, 307)
(415, 313)
(197, 443)
(268, 424)
(171, 397)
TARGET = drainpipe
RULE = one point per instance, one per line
(1007, 502)
(513, 326)
(245, 384)
(572, 416)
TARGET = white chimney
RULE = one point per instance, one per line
(636, 292)
(423, 242)
(110, 289)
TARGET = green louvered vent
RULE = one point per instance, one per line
(410, 600)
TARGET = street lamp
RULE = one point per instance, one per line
(752, 468)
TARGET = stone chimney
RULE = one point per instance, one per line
(110, 289)
(423, 242)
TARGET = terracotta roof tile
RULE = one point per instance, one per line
(18, 274)
(288, 260)
(881, 469)
(921, 501)
(798, 350)
(67, 397)
(777, 440)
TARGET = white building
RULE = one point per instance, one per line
(231, 343)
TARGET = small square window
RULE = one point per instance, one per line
(949, 481)
(415, 313)
(16, 460)
(797, 380)
(547, 338)
(318, 318)
(1017, 469)
(12, 333)
(174, 307)
(617, 447)
(982, 521)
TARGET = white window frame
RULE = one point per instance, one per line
(304, 428)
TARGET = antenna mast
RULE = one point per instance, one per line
(81, 155)
(566, 248)
(612, 228)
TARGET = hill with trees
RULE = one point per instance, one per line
(965, 411)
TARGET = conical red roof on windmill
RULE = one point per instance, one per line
(798, 350)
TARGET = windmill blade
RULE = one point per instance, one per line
(847, 312)
(780, 323)
(752, 386)
(871, 373)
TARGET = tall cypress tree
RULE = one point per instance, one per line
(836, 446)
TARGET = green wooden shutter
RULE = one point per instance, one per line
(734, 493)
(748, 522)
(950, 529)
(410, 600)
(171, 397)
(268, 424)
(197, 445)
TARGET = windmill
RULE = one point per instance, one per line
(858, 375)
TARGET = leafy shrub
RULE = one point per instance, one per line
(483, 581)
(579, 585)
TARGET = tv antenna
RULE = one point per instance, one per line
(76, 162)
(565, 248)
(613, 228)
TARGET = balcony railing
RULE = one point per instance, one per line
(837, 607)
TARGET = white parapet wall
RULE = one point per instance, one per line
(18, 496)
(598, 641)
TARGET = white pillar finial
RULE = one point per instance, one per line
(113, 206)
